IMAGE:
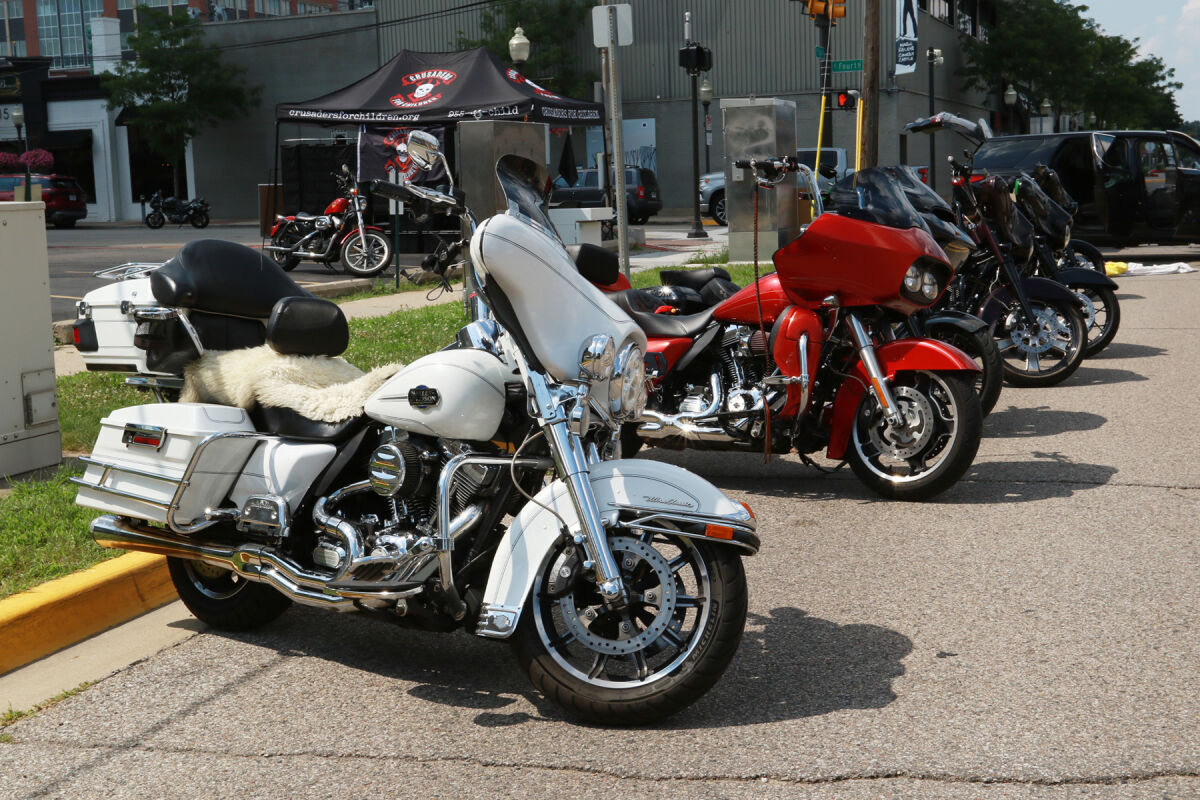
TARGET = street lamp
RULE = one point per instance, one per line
(518, 47)
(695, 59)
(18, 118)
(935, 59)
(706, 96)
(1010, 100)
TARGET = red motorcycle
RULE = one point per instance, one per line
(805, 359)
(338, 234)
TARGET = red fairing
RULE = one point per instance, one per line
(742, 308)
(338, 206)
(861, 262)
(619, 285)
(901, 355)
(797, 321)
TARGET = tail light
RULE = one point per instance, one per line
(641, 192)
(923, 172)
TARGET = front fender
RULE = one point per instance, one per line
(648, 486)
(997, 304)
(1077, 276)
(901, 355)
(953, 318)
(353, 233)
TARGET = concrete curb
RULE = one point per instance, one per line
(54, 615)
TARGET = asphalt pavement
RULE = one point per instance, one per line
(1031, 634)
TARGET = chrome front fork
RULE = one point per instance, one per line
(866, 352)
(572, 463)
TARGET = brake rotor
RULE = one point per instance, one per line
(905, 442)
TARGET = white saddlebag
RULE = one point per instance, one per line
(110, 308)
(142, 453)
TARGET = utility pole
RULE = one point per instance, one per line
(870, 89)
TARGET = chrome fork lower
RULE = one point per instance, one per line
(866, 352)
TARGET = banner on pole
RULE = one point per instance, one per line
(906, 37)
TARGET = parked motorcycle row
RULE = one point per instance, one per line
(489, 486)
(176, 211)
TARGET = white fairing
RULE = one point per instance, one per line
(557, 307)
(470, 387)
(646, 485)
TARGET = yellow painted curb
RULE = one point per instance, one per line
(62, 612)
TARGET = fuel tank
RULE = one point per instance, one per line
(451, 394)
(742, 308)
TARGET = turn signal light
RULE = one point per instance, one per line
(718, 532)
(749, 510)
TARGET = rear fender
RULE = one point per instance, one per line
(901, 355)
(647, 487)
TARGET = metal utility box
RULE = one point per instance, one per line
(480, 145)
(29, 434)
(756, 127)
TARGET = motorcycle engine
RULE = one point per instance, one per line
(323, 223)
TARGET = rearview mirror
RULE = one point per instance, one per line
(423, 149)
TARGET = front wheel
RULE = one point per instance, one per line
(368, 261)
(224, 599)
(1102, 314)
(1082, 254)
(200, 219)
(155, 219)
(644, 659)
(982, 349)
(931, 449)
(1043, 351)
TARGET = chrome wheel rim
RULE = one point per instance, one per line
(372, 257)
(213, 582)
(926, 439)
(1040, 346)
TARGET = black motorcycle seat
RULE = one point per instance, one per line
(692, 278)
(307, 326)
(662, 326)
(643, 300)
(224, 278)
(294, 425)
(305, 215)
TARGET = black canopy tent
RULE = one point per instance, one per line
(431, 91)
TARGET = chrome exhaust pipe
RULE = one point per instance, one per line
(655, 425)
(254, 562)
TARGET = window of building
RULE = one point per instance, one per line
(124, 5)
(61, 26)
(15, 9)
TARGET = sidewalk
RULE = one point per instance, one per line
(35, 624)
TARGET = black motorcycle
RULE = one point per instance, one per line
(177, 211)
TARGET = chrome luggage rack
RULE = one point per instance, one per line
(125, 272)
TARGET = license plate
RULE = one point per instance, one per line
(71, 197)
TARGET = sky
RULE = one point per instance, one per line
(1169, 29)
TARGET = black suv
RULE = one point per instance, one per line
(641, 190)
(1132, 186)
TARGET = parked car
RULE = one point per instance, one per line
(712, 184)
(641, 191)
(66, 202)
(1131, 186)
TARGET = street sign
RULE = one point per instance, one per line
(623, 25)
(854, 65)
(820, 51)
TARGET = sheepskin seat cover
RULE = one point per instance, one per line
(323, 388)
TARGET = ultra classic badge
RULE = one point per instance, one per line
(424, 88)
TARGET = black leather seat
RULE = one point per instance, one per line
(223, 278)
(293, 425)
(661, 326)
(692, 279)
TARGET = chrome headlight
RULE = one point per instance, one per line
(912, 279)
(627, 390)
(929, 286)
(922, 283)
(596, 363)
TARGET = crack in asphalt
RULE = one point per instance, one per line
(1136, 776)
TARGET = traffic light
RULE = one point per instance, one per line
(837, 10)
(817, 8)
(845, 101)
(695, 59)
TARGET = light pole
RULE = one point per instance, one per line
(695, 59)
(1046, 108)
(1010, 100)
(706, 96)
(935, 58)
(518, 48)
(18, 118)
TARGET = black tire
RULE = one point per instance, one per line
(930, 456)
(667, 657)
(1082, 254)
(640, 219)
(223, 599)
(982, 349)
(1047, 351)
(716, 208)
(376, 259)
(1102, 314)
(155, 220)
(65, 223)
(200, 219)
(286, 261)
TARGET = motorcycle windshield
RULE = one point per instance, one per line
(526, 186)
(923, 198)
(874, 195)
(1051, 219)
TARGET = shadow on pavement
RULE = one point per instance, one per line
(1091, 376)
(1127, 350)
(1015, 422)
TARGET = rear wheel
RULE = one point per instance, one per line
(1043, 351)
(200, 219)
(369, 260)
(648, 657)
(931, 449)
(224, 599)
(155, 219)
(287, 261)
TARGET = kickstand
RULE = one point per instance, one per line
(804, 459)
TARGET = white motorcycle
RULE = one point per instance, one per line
(619, 582)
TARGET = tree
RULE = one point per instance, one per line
(1049, 49)
(177, 85)
(551, 26)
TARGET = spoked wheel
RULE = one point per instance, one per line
(155, 219)
(648, 657)
(224, 599)
(1043, 351)
(982, 349)
(368, 261)
(285, 260)
(931, 449)
(1102, 315)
